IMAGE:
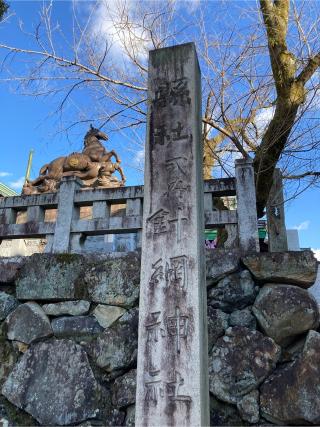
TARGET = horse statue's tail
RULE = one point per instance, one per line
(44, 169)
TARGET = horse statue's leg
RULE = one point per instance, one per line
(108, 156)
(119, 169)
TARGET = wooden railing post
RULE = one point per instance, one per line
(246, 206)
(66, 213)
(277, 234)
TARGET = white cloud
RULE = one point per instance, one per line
(4, 174)
(303, 226)
(138, 159)
(118, 23)
(263, 118)
(17, 185)
(316, 253)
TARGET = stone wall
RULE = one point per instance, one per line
(68, 339)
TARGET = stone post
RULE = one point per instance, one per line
(246, 206)
(277, 234)
(134, 208)
(8, 216)
(172, 374)
(66, 213)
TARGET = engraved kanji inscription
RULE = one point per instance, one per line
(162, 92)
(153, 326)
(161, 135)
(177, 326)
(179, 221)
(154, 391)
(177, 133)
(179, 93)
(174, 93)
(153, 335)
(159, 222)
(157, 273)
(173, 389)
(177, 175)
(176, 272)
(177, 167)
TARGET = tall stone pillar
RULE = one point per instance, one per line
(277, 233)
(66, 213)
(172, 375)
(246, 206)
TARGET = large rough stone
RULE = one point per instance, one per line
(315, 288)
(9, 269)
(291, 394)
(8, 357)
(293, 350)
(78, 327)
(297, 268)
(114, 418)
(52, 277)
(224, 414)
(115, 281)
(243, 318)
(124, 389)
(220, 263)
(28, 323)
(107, 314)
(116, 347)
(73, 308)
(53, 382)
(218, 322)
(131, 415)
(235, 291)
(284, 311)
(7, 304)
(239, 362)
(248, 407)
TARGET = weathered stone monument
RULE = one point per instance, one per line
(172, 371)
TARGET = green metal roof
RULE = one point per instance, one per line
(7, 191)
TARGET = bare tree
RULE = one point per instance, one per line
(3, 8)
(260, 76)
(260, 80)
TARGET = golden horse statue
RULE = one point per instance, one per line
(93, 165)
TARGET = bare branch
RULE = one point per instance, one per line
(229, 135)
(81, 67)
(311, 67)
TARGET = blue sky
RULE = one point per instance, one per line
(28, 123)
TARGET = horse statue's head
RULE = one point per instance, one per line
(93, 135)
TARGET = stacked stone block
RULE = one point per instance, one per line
(68, 339)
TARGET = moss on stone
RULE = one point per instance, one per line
(67, 258)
